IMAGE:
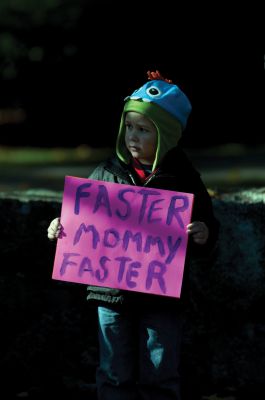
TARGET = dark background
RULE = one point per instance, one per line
(67, 65)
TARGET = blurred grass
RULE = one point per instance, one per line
(223, 167)
(84, 154)
(52, 156)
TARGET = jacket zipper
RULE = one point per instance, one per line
(145, 183)
(132, 178)
(130, 175)
(150, 179)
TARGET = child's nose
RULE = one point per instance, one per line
(134, 136)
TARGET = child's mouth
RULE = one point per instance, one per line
(133, 148)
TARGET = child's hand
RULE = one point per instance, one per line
(54, 229)
(199, 232)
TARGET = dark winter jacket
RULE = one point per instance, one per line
(175, 173)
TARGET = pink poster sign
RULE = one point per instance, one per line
(122, 236)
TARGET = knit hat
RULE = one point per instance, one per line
(165, 105)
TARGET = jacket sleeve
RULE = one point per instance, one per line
(98, 173)
(203, 211)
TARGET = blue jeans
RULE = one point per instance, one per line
(139, 354)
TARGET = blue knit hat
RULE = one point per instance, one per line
(167, 96)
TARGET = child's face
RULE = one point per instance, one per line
(140, 137)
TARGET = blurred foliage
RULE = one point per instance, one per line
(50, 50)
(27, 14)
(27, 27)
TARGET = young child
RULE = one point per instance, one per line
(140, 334)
